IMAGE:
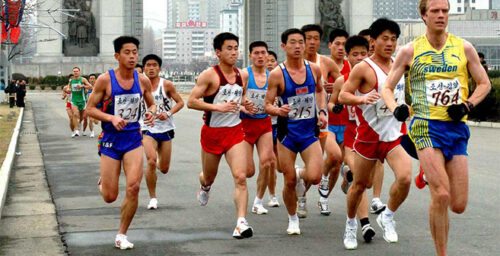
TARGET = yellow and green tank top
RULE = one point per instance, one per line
(438, 78)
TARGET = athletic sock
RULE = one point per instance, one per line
(257, 201)
(364, 221)
(323, 199)
(293, 217)
(205, 188)
(351, 222)
(387, 214)
(324, 177)
(240, 219)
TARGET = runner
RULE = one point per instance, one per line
(378, 133)
(298, 120)
(223, 90)
(66, 95)
(92, 121)
(139, 68)
(329, 70)
(119, 92)
(158, 139)
(366, 34)
(356, 49)
(438, 128)
(257, 126)
(78, 85)
(272, 62)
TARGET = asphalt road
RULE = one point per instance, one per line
(181, 227)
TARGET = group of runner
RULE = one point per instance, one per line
(344, 114)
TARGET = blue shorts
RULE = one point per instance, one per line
(298, 144)
(116, 144)
(450, 137)
(160, 137)
(338, 130)
(275, 134)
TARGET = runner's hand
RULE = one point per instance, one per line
(371, 98)
(250, 107)
(162, 116)
(402, 112)
(118, 123)
(322, 121)
(149, 119)
(284, 110)
(457, 112)
(228, 107)
(337, 108)
(328, 87)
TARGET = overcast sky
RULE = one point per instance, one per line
(155, 13)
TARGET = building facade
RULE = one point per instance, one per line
(183, 45)
(396, 9)
(461, 6)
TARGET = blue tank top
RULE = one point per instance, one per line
(301, 120)
(123, 103)
(256, 95)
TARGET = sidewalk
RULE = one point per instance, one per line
(29, 225)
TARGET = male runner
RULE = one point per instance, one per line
(139, 68)
(86, 121)
(158, 139)
(78, 85)
(119, 92)
(223, 90)
(329, 70)
(438, 64)
(297, 82)
(366, 34)
(92, 121)
(356, 50)
(257, 126)
(66, 95)
(378, 133)
(272, 62)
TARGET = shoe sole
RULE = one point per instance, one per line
(295, 232)
(368, 235)
(245, 234)
(325, 213)
(126, 248)
(302, 215)
(273, 205)
(259, 213)
(383, 231)
(378, 211)
(152, 208)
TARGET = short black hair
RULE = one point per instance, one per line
(120, 41)
(71, 75)
(222, 37)
(337, 33)
(257, 44)
(312, 27)
(273, 54)
(379, 26)
(151, 57)
(480, 54)
(93, 75)
(290, 31)
(364, 32)
(354, 41)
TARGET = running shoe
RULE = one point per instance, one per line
(300, 188)
(293, 227)
(389, 229)
(73, 134)
(302, 207)
(368, 233)
(77, 133)
(122, 242)
(83, 133)
(203, 196)
(420, 180)
(350, 241)
(323, 187)
(273, 201)
(259, 209)
(323, 206)
(153, 204)
(242, 230)
(92, 134)
(376, 206)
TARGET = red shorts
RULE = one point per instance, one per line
(218, 140)
(68, 105)
(253, 128)
(350, 134)
(375, 150)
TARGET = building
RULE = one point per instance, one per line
(461, 6)
(396, 9)
(232, 21)
(184, 44)
(196, 10)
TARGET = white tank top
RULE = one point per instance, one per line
(163, 104)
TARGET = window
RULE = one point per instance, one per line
(459, 9)
(459, 1)
(473, 1)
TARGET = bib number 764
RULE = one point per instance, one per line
(445, 98)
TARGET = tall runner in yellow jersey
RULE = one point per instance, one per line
(438, 64)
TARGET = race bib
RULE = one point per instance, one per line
(74, 87)
(257, 97)
(301, 107)
(399, 96)
(444, 92)
(127, 106)
(229, 93)
(352, 112)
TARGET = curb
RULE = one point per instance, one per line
(483, 124)
(9, 162)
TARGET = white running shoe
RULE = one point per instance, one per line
(300, 188)
(153, 204)
(376, 206)
(350, 241)
(203, 196)
(323, 206)
(92, 134)
(293, 227)
(83, 133)
(368, 233)
(389, 229)
(302, 207)
(73, 134)
(77, 133)
(259, 209)
(273, 202)
(122, 242)
(323, 187)
(242, 230)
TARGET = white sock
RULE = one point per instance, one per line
(387, 213)
(240, 219)
(272, 196)
(257, 201)
(293, 217)
(376, 199)
(325, 177)
(352, 222)
(323, 199)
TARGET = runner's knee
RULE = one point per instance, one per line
(458, 207)
(240, 178)
(109, 196)
(442, 198)
(133, 189)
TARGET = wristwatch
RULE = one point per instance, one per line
(469, 105)
(324, 111)
(169, 114)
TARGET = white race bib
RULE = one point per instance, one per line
(127, 106)
(399, 96)
(257, 97)
(352, 112)
(444, 92)
(301, 107)
(229, 93)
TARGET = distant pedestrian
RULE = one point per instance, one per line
(20, 94)
(11, 90)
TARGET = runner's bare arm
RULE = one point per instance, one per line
(337, 86)
(149, 117)
(207, 78)
(478, 74)
(275, 81)
(320, 96)
(333, 69)
(86, 83)
(399, 67)
(172, 92)
(356, 78)
(246, 104)
(97, 96)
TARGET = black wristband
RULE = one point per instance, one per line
(323, 111)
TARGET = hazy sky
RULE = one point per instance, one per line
(155, 13)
